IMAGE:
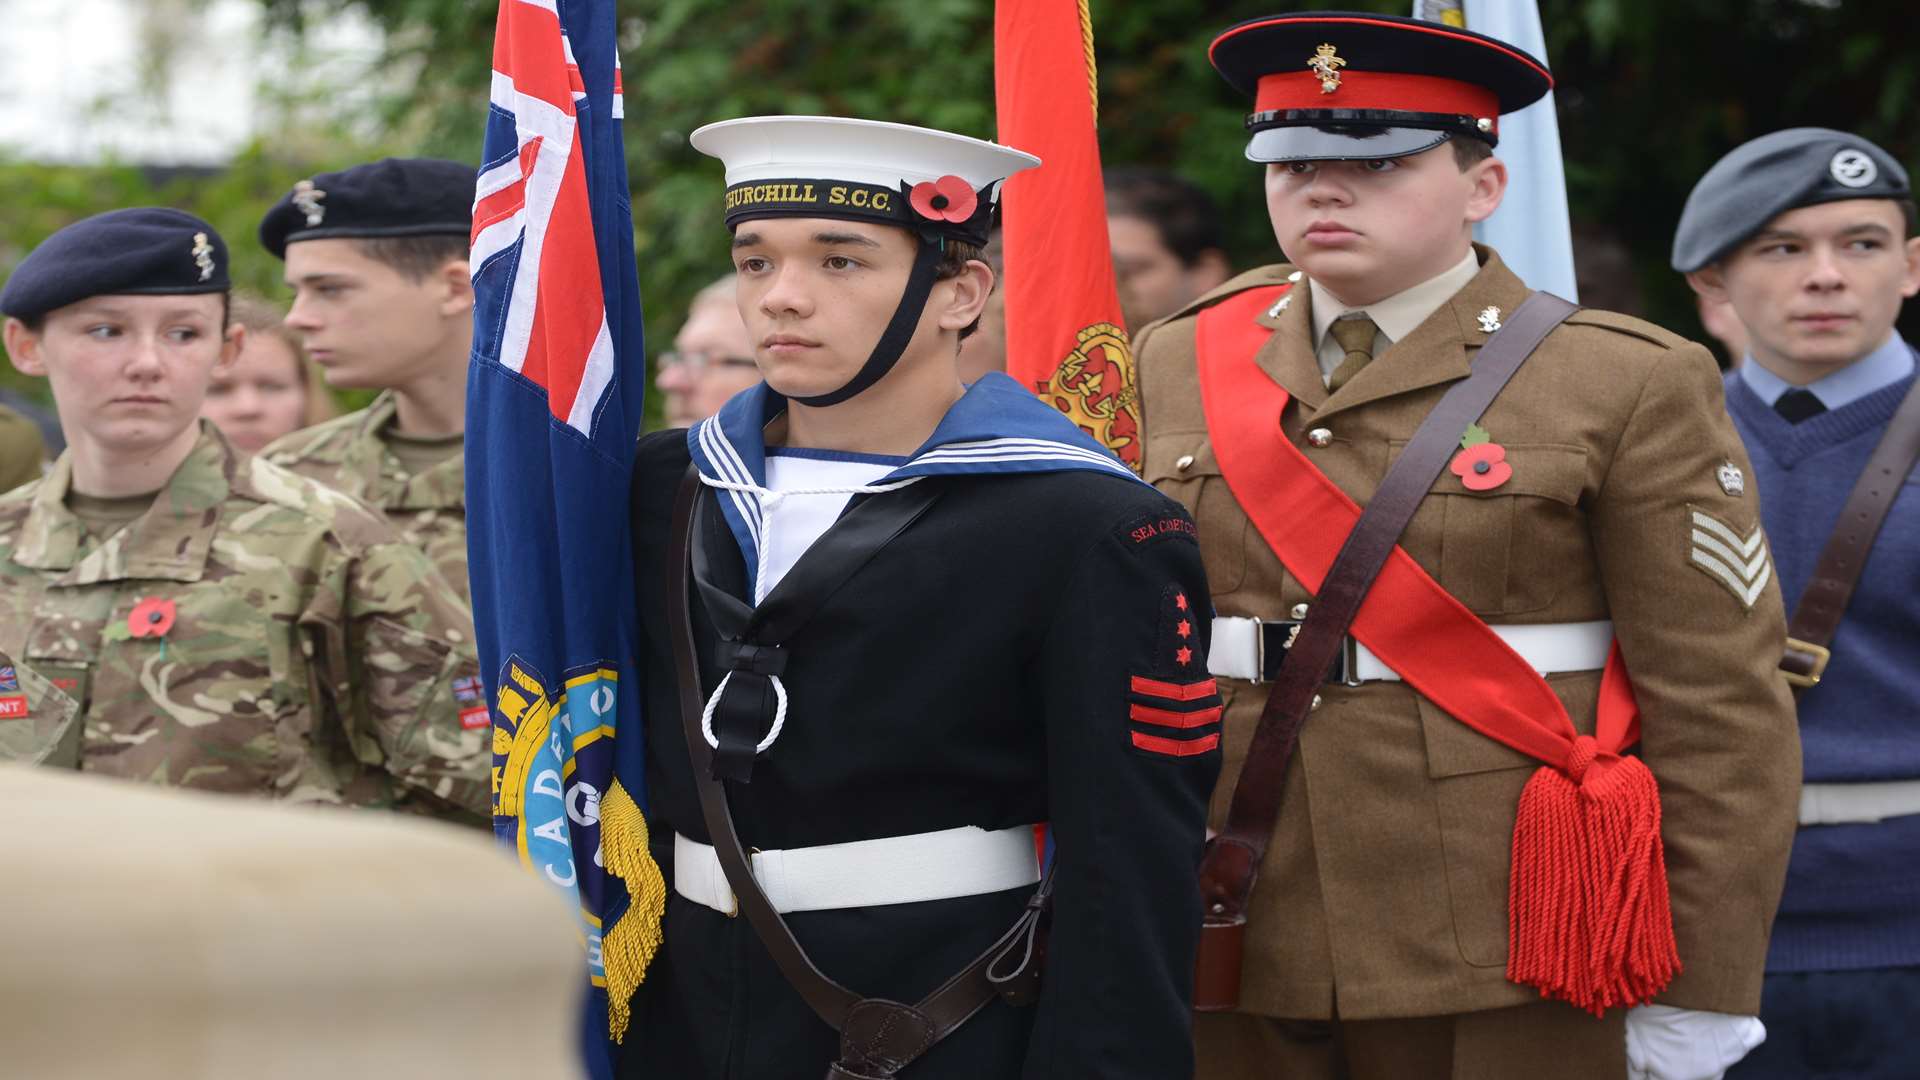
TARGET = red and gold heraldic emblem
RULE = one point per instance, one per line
(1095, 387)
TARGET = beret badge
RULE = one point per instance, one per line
(1326, 63)
(203, 255)
(307, 198)
(1853, 168)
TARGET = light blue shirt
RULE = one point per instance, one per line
(1884, 366)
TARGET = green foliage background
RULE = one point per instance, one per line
(1651, 93)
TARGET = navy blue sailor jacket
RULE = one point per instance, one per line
(1031, 649)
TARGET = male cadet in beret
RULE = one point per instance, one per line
(224, 624)
(1576, 530)
(377, 260)
(927, 617)
(1809, 235)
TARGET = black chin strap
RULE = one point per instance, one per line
(899, 331)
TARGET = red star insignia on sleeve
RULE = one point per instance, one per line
(1185, 629)
(1180, 601)
(1183, 654)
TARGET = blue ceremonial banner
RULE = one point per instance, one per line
(1531, 229)
(553, 407)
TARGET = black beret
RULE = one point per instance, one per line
(1344, 84)
(391, 197)
(145, 250)
(1773, 174)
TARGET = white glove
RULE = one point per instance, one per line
(1665, 1043)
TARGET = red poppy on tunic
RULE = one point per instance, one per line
(1482, 466)
(151, 617)
(946, 199)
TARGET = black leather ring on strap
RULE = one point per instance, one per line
(899, 331)
(878, 1038)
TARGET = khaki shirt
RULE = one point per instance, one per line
(348, 453)
(1386, 883)
(305, 653)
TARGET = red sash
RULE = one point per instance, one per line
(1589, 916)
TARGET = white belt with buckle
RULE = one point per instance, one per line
(1251, 649)
(967, 861)
(1858, 804)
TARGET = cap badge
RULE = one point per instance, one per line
(1732, 480)
(1490, 320)
(307, 198)
(1853, 169)
(1326, 63)
(203, 255)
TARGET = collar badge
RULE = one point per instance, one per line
(1326, 63)
(1490, 320)
(203, 255)
(1279, 306)
(307, 198)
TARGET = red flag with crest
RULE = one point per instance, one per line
(1065, 338)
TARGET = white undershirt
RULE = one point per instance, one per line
(792, 522)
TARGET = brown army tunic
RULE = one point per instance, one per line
(311, 654)
(351, 454)
(1386, 883)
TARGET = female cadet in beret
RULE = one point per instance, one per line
(224, 624)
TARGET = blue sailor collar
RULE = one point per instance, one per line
(997, 426)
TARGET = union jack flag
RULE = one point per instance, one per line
(553, 406)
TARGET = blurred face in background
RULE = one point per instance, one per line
(1152, 279)
(712, 360)
(261, 397)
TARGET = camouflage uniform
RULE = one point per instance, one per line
(38, 721)
(310, 655)
(429, 510)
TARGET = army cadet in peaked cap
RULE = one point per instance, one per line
(222, 623)
(377, 259)
(1574, 551)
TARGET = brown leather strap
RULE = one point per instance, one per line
(1817, 617)
(878, 1038)
(1233, 857)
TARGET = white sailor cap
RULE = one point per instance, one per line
(860, 170)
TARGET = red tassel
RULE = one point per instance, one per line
(1590, 922)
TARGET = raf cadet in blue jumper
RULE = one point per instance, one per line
(1809, 234)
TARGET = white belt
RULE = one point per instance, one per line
(1238, 649)
(967, 861)
(1858, 804)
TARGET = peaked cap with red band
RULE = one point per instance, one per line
(1339, 85)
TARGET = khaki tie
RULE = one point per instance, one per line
(1356, 336)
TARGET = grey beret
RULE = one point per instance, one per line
(1773, 174)
(144, 250)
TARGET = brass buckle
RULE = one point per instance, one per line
(1820, 654)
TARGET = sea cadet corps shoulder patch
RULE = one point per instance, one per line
(1174, 709)
(1738, 560)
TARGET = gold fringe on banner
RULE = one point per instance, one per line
(627, 946)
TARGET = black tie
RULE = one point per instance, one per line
(1797, 404)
